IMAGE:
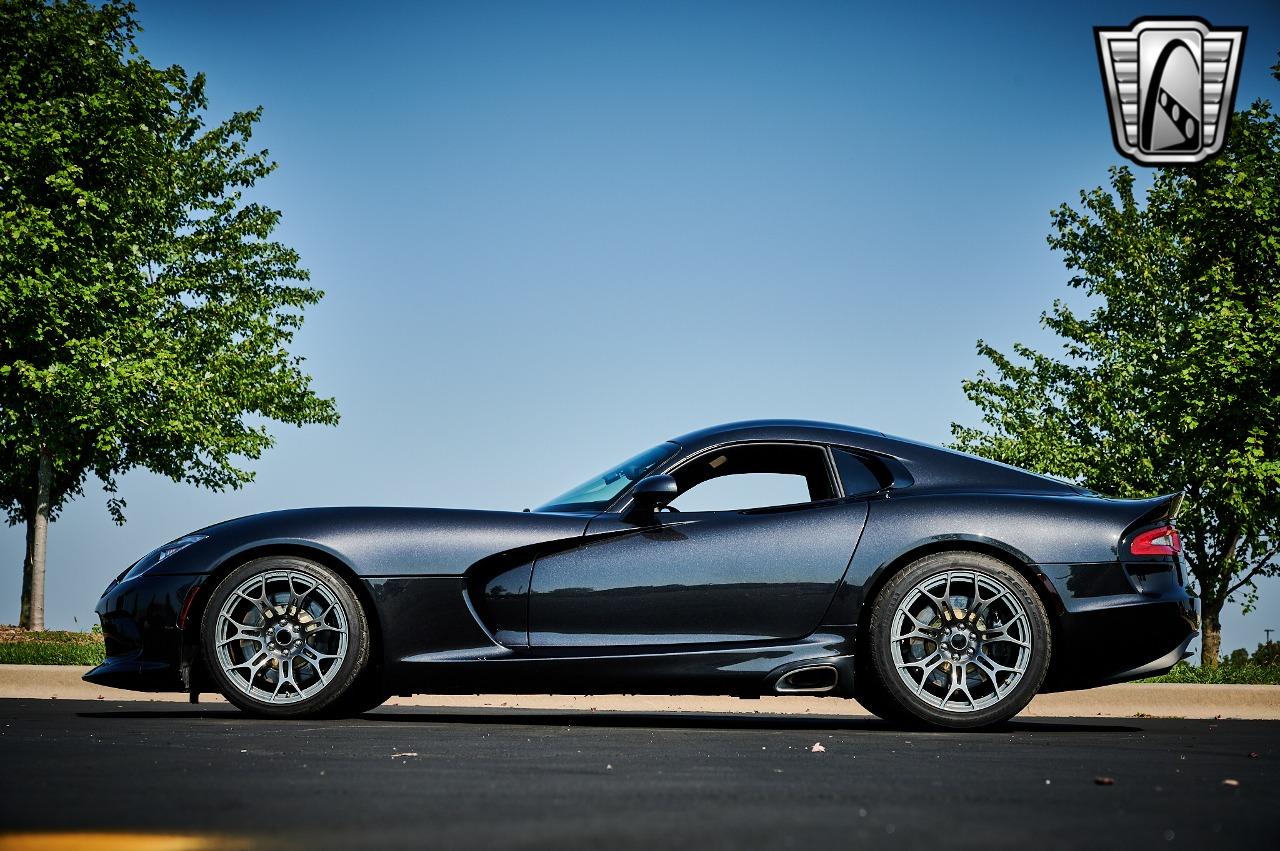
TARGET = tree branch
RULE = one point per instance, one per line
(1258, 568)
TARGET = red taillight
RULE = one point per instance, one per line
(1161, 541)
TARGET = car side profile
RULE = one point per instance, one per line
(748, 559)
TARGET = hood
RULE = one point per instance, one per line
(379, 541)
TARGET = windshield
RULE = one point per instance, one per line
(596, 493)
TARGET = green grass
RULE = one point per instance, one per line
(1247, 673)
(20, 647)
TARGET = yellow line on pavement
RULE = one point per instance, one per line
(90, 841)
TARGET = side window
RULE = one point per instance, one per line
(745, 490)
(756, 475)
(855, 475)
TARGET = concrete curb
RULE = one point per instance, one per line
(64, 682)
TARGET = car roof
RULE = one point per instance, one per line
(774, 430)
(932, 467)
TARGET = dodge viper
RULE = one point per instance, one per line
(749, 559)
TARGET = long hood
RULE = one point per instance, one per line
(380, 541)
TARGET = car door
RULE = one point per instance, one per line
(717, 575)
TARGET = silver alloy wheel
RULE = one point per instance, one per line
(281, 636)
(961, 640)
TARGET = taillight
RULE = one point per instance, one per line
(1161, 541)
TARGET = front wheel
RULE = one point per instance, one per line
(959, 640)
(285, 637)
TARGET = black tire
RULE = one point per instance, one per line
(890, 695)
(346, 686)
(365, 696)
(871, 694)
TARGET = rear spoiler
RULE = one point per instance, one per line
(1155, 508)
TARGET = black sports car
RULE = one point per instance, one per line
(930, 585)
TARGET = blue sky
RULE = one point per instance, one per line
(552, 234)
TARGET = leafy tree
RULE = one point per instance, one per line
(1171, 380)
(1237, 657)
(144, 309)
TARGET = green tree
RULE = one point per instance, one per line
(1237, 657)
(1171, 379)
(144, 309)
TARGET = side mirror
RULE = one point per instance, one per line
(650, 494)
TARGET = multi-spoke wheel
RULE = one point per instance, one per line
(958, 640)
(286, 637)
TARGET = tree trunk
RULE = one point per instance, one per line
(32, 615)
(1210, 632)
(24, 617)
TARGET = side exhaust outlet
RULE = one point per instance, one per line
(811, 679)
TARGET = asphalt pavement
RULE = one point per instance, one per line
(458, 778)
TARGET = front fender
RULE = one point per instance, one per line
(376, 542)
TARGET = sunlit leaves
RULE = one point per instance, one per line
(146, 314)
(1170, 381)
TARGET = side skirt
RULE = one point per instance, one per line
(742, 671)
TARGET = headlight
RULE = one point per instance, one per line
(173, 546)
(159, 554)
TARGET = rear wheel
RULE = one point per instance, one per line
(874, 699)
(286, 637)
(365, 696)
(958, 640)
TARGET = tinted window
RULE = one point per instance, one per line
(855, 474)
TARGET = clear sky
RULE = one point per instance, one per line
(553, 234)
